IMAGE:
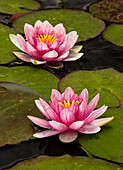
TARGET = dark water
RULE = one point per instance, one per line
(98, 54)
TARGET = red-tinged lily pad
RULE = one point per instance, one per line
(109, 10)
(16, 102)
(37, 79)
(114, 34)
(65, 162)
(108, 143)
(17, 6)
(107, 82)
(85, 24)
(6, 46)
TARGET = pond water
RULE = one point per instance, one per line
(99, 54)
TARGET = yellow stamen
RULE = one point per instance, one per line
(46, 38)
(67, 104)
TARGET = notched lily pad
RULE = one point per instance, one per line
(114, 34)
(65, 162)
(74, 20)
(109, 10)
(37, 79)
(107, 82)
(16, 102)
(6, 46)
(17, 6)
(108, 143)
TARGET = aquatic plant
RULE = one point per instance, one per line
(69, 113)
(46, 43)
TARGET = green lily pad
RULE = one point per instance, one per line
(37, 79)
(114, 34)
(65, 162)
(107, 82)
(74, 20)
(108, 143)
(109, 10)
(16, 102)
(17, 6)
(6, 45)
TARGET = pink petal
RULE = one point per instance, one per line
(22, 42)
(58, 126)
(74, 108)
(50, 56)
(37, 62)
(30, 33)
(40, 122)
(42, 47)
(95, 114)
(46, 133)
(92, 105)
(71, 40)
(47, 28)
(38, 24)
(23, 56)
(61, 49)
(13, 38)
(67, 116)
(68, 93)
(56, 93)
(83, 95)
(49, 111)
(89, 129)
(68, 136)
(62, 57)
(55, 45)
(76, 125)
(73, 56)
(102, 121)
(61, 32)
(82, 110)
(33, 52)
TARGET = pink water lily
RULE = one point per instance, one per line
(69, 113)
(45, 43)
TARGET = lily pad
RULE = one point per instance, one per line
(16, 102)
(109, 10)
(37, 79)
(114, 34)
(6, 45)
(85, 24)
(108, 143)
(65, 162)
(107, 82)
(17, 6)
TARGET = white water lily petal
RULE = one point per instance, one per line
(73, 56)
(46, 133)
(13, 38)
(23, 56)
(102, 121)
(76, 49)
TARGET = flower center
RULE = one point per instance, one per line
(68, 104)
(46, 38)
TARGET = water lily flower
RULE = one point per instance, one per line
(68, 114)
(45, 43)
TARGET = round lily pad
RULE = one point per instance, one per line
(16, 102)
(65, 162)
(107, 82)
(37, 79)
(17, 6)
(6, 46)
(114, 34)
(108, 143)
(85, 24)
(109, 10)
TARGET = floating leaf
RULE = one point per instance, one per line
(17, 6)
(109, 10)
(108, 143)
(16, 102)
(37, 79)
(74, 20)
(65, 162)
(114, 34)
(107, 82)
(6, 45)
